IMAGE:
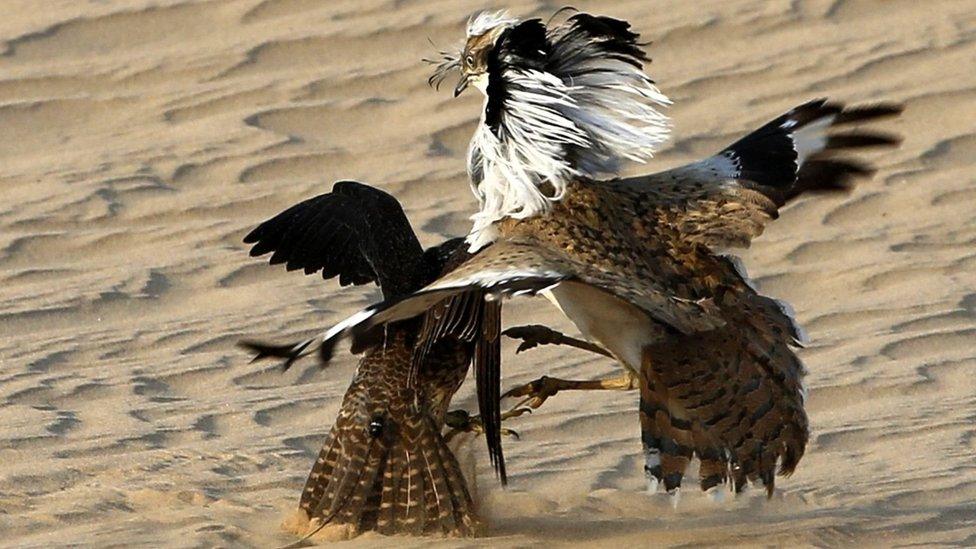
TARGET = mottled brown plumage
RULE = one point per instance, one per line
(385, 465)
(638, 265)
(721, 381)
(731, 395)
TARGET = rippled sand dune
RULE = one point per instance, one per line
(141, 139)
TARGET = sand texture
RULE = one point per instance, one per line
(141, 139)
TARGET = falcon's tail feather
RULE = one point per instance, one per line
(399, 477)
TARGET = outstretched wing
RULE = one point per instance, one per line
(727, 200)
(356, 232)
(455, 303)
(513, 268)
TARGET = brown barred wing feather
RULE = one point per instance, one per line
(732, 396)
(728, 199)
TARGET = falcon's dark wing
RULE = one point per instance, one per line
(469, 317)
(356, 232)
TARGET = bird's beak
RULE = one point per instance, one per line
(461, 85)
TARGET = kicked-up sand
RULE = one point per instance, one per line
(141, 139)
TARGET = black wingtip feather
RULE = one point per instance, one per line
(861, 140)
(290, 352)
(261, 248)
(487, 362)
(765, 157)
(252, 236)
(768, 156)
(615, 37)
(829, 175)
(327, 351)
(864, 113)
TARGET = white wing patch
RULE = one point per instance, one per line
(503, 279)
(497, 283)
(811, 138)
(723, 167)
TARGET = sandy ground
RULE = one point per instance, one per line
(141, 139)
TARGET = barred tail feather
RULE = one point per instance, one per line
(713, 469)
(404, 481)
(321, 472)
(393, 476)
(464, 510)
(409, 512)
(353, 464)
(733, 397)
(667, 442)
(439, 510)
(452, 505)
(354, 507)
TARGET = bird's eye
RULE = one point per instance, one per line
(469, 60)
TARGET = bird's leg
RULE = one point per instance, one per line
(538, 391)
(534, 335)
(460, 421)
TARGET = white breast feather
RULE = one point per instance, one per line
(582, 119)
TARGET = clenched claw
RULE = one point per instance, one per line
(538, 391)
(516, 412)
(535, 393)
(532, 336)
(460, 421)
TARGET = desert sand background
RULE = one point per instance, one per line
(141, 139)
